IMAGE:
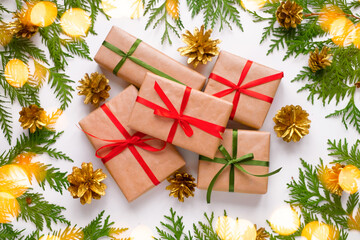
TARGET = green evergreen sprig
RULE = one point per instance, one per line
(222, 13)
(334, 83)
(39, 211)
(59, 47)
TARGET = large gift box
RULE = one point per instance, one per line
(130, 58)
(250, 86)
(136, 162)
(241, 164)
(180, 115)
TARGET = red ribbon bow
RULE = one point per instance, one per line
(238, 88)
(180, 118)
(131, 142)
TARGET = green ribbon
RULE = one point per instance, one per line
(129, 56)
(234, 162)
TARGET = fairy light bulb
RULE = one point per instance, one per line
(13, 180)
(253, 5)
(75, 22)
(9, 207)
(319, 231)
(16, 73)
(285, 221)
(342, 30)
(43, 14)
(123, 8)
(240, 229)
(349, 179)
(141, 232)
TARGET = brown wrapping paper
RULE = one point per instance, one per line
(200, 105)
(135, 74)
(124, 168)
(255, 142)
(250, 111)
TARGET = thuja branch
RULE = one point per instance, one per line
(320, 13)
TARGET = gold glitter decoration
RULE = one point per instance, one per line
(7, 31)
(95, 87)
(85, 183)
(291, 123)
(320, 60)
(33, 117)
(329, 177)
(181, 185)
(289, 14)
(172, 8)
(200, 47)
(261, 234)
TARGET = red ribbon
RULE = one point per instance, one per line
(244, 88)
(130, 141)
(180, 118)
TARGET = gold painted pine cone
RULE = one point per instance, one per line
(200, 47)
(181, 185)
(95, 88)
(291, 123)
(85, 183)
(329, 177)
(33, 117)
(289, 14)
(319, 60)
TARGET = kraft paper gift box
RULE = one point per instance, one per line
(238, 144)
(135, 169)
(130, 59)
(250, 86)
(180, 115)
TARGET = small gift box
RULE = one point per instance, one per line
(180, 115)
(241, 164)
(136, 162)
(250, 86)
(130, 58)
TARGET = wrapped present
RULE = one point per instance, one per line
(241, 164)
(136, 162)
(250, 86)
(180, 115)
(130, 58)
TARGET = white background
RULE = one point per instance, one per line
(150, 208)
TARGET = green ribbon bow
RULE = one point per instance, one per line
(129, 56)
(234, 162)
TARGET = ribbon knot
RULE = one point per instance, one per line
(234, 162)
(180, 118)
(115, 147)
(244, 89)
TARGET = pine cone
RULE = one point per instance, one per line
(318, 61)
(33, 117)
(181, 185)
(289, 14)
(200, 48)
(96, 88)
(329, 177)
(23, 29)
(291, 123)
(261, 234)
(86, 184)
(357, 84)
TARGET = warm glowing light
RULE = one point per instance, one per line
(16, 73)
(9, 207)
(342, 30)
(356, 36)
(49, 237)
(253, 5)
(328, 15)
(141, 232)
(349, 179)
(319, 231)
(228, 228)
(13, 180)
(75, 22)
(123, 8)
(285, 221)
(43, 14)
